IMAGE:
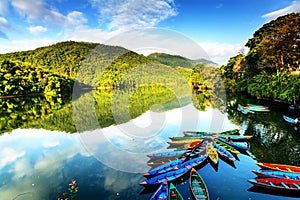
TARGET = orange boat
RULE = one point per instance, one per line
(279, 167)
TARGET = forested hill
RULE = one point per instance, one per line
(64, 58)
(271, 67)
(178, 61)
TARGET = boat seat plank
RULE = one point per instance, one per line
(296, 185)
(284, 185)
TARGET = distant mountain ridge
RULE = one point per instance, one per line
(179, 61)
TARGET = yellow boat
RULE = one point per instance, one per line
(212, 153)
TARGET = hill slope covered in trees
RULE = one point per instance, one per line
(271, 67)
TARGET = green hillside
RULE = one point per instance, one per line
(65, 57)
(172, 60)
(178, 61)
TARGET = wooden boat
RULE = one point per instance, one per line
(174, 193)
(169, 176)
(277, 184)
(238, 145)
(203, 133)
(192, 144)
(226, 146)
(257, 108)
(162, 192)
(189, 164)
(212, 153)
(289, 120)
(237, 138)
(244, 110)
(198, 150)
(224, 153)
(276, 174)
(162, 161)
(292, 107)
(185, 141)
(190, 134)
(165, 167)
(279, 167)
(187, 138)
(167, 154)
(197, 186)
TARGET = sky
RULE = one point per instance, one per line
(220, 27)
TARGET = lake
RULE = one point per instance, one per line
(109, 162)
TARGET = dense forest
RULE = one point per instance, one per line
(271, 68)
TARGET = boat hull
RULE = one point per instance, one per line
(279, 167)
(197, 186)
(162, 192)
(276, 184)
(276, 174)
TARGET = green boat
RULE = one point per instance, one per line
(237, 138)
(194, 133)
(174, 193)
(197, 186)
(257, 108)
(226, 146)
(189, 138)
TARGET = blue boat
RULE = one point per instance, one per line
(172, 175)
(168, 154)
(244, 110)
(169, 176)
(238, 145)
(292, 107)
(173, 165)
(289, 120)
(224, 153)
(193, 162)
(276, 174)
(162, 192)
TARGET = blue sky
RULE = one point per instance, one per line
(220, 27)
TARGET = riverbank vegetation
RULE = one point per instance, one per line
(271, 68)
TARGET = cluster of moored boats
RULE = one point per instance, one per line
(277, 177)
(188, 153)
(252, 109)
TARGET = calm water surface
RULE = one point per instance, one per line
(108, 163)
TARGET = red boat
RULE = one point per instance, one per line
(277, 184)
(279, 167)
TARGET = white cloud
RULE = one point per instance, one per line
(75, 18)
(221, 52)
(48, 144)
(158, 40)
(3, 7)
(128, 14)
(294, 7)
(35, 30)
(9, 155)
(24, 45)
(37, 10)
(3, 24)
(83, 33)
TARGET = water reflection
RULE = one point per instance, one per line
(32, 162)
(108, 162)
(274, 140)
(128, 144)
